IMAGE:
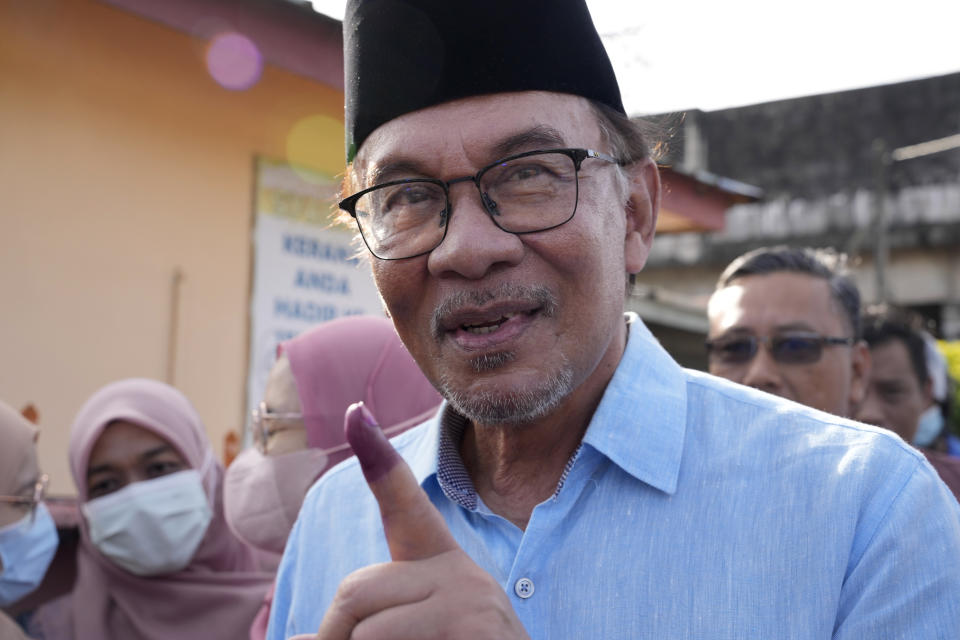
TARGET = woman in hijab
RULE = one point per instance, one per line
(156, 558)
(28, 536)
(298, 428)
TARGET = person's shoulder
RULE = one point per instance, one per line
(771, 424)
(947, 467)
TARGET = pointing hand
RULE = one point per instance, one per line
(431, 589)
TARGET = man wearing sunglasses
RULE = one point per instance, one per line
(577, 483)
(786, 320)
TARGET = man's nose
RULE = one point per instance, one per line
(870, 410)
(474, 245)
(763, 372)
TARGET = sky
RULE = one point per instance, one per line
(708, 54)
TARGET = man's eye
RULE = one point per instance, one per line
(735, 347)
(411, 195)
(796, 344)
(525, 172)
(891, 395)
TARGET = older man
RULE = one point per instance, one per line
(786, 320)
(577, 483)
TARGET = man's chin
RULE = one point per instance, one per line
(492, 361)
(509, 404)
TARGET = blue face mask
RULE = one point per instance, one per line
(929, 427)
(26, 549)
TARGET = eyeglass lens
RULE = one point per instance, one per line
(522, 195)
(267, 423)
(784, 348)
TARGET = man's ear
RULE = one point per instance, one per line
(860, 376)
(642, 207)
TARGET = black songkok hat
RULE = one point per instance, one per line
(405, 55)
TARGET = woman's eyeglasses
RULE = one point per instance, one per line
(30, 502)
(793, 347)
(266, 423)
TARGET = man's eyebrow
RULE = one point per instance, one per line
(394, 170)
(539, 137)
(795, 326)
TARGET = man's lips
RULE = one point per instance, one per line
(472, 316)
(487, 327)
(495, 332)
(487, 320)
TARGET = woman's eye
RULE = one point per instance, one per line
(162, 468)
(103, 487)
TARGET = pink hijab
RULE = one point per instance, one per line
(350, 359)
(218, 593)
(344, 361)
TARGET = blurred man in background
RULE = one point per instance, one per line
(900, 391)
(786, 320)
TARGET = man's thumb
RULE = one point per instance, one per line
(414, 528)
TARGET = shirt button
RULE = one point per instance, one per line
(524, 588)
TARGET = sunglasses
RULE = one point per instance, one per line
(795, 347)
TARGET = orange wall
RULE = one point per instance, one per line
(121, 160)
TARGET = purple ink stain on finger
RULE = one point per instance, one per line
(375, 453)
(234, 61)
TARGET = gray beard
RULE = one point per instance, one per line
(511, 406)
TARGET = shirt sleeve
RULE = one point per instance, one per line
(906, 581)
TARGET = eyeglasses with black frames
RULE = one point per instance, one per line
(266, 423)
(29, 502)
(789, 347)
(523, 193)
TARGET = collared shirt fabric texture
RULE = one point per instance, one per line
(694, 508)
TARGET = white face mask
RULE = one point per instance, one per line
(929, 427)
(26, 549)
(262, 494)
(151, 527)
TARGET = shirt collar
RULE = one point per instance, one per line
(641, 420)
(639, 424)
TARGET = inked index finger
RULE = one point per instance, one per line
(414, 528)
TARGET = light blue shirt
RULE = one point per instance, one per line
(695, 508)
